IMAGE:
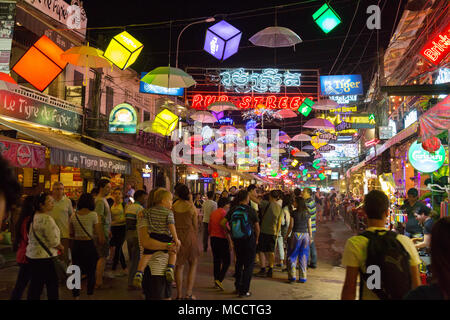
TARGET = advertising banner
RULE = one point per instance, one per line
(341, 85)
(152, 89)
(23, 108)
(22, 154)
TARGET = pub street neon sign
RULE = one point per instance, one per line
(200, 101)
(269, 80)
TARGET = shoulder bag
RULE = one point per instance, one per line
(82, 227)
(60, 266)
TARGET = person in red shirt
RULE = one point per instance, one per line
(220, 242)
(20, 246)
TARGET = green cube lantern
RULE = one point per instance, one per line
(326, 18)
(306, 107)
(322, 176)
(305, 172)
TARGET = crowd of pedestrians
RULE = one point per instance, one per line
(165, 232)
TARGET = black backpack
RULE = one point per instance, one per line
(385, 251)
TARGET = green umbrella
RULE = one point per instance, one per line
(169, 77)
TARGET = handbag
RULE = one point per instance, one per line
(60, 266)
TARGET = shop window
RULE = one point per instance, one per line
(146, 116)
(138, 113)
(74, 92)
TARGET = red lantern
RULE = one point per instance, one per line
(432, 144)
(215, 175)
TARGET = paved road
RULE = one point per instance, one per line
(324, 283)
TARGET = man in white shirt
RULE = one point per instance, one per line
(208, 207)
(62, 210)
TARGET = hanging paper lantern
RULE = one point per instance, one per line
(123, 50)
(165, 122)
(222, 40)
(326, 18)
(306, 107)
(41, 64)
(215, 175)
(431, 145)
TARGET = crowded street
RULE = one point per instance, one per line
(225, 152)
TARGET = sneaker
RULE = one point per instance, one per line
(245, 295)
(137, 280)
(269, 273)
(301, 280)
(170, 275)
(292, 280)
(219, 285)
(261, 273)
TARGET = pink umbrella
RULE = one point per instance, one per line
(318, 123)
(301, 154)
(301, 137)
(285, 114)
(326, 104)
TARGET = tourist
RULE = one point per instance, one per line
(287, 211)
(439, 289)
(84, 253)
(245, 247)
(424, 219)
(131, 213)
(254, 200)
(300, 231)
(376, 206)
(186, 223)
(220, 242)
(61, 213)
(319, 203)
(104, 216)
(270, 228)
(129, 193)
(208, 207)
(44, 241)
(20, 247)
(311, 205)
(225, 194)
(198, 202)
(412, 206)
(10, 189)
(118, 232)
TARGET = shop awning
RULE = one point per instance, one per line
(67, 150)
(131, 153)
(21, 154)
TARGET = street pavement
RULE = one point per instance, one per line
(324, 283)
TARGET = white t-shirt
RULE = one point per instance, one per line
(88, 221)
(208, 207)
(355, 255)
(48, 232)
(62, 210)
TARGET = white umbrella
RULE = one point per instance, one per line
(275, 37)
(222, 106)
(308, 148)
(169, 77)
(204, 117)
(326, 104)
(301, 137)
(228, 130)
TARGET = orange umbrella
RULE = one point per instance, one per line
(7, 78)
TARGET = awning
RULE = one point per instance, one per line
(66, 150)
(435, 120)
(21, 154)
(131, 153)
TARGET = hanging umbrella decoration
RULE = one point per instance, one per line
(204, 117)
(86, 56)
(275, 37)
(301, 137)
(326, 105)
(285, 114)
(169, 77)
(318, 123)
(283, 137)
(221, 106)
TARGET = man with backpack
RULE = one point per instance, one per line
(243, 225)
(388, 263)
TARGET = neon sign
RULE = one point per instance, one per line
(344, 99)
(425, 161)
(438, 47)
(227, 121)
(269, 80)
(341, 85)
(344, 109)
(200, 101)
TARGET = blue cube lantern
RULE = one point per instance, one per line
(222, 40)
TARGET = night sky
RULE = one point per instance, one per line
(318, 51)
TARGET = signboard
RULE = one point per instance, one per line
(438, 47)
(85, 161)
(63, 13)
(146, 172)
(226, 121)
(19, 107)
(201, 101)
(335, 176)
(386, 133)
(343, 126)
(344, 109)
(342, 151)
(341, 85)
(326, 148)
(425, 161)
(22, 154)
(123, 119)
(7, 19)
(152, 142)
(152, 89)
(344, 99)
(410, 118)
(328, 136)
(267, 80)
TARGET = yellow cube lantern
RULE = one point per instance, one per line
(165, 122)
(123, 50)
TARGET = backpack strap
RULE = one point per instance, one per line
(82, 227)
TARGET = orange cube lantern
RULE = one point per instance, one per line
(41, 64)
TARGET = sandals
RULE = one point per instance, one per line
(190, 297)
